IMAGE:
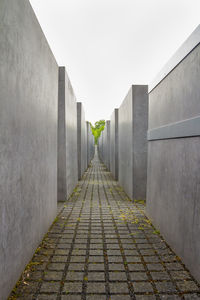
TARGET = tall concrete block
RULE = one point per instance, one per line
(90, 144)
(133, 120)
(100, 146)
(81, 140)
(106, 145)
(28, 139)
(67, 137)
(114, 144)
(173, 189)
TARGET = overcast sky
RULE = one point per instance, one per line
(108, 45)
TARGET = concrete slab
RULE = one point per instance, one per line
(90, 144)
(28, 139)
(81, 140)
(173, 160)
(67, 137)
(133, 122)
(106, 145)
(114, 144)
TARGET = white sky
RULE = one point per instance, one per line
(108, 45)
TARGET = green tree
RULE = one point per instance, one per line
(97, 129)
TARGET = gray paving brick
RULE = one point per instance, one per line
(72, 287)
(119, 288)
(50, 287)
(94, 287)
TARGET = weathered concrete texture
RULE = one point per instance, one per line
(81, 140)
(162, 112)
(173, 190)
(90, 144)
(100, 146)
(133, 120)
(106, 145)
(28, 139)
(67, 137)
(114, 144)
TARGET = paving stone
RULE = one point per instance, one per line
(77, 259)
(61, 252)
(96, 246)
(116, 267)
(117, 276)
(133, 259)
(59, 259)
(131, 252)
(64, 246)
(52, 275)
(114, 252)
(96, 276)
(35, 275)
(79, 252)
(166, 287)
(138, 276)
(40, 267)
(72, 287)
(76, 267)
(94, 287)
(96, 252)
(96, 266)
(160, 275)
(74, 276)
(147, 252)
(113, 259)
(180, 275)
(174, 266)
(155, 267)
(56, 266)
(50, 287)
(168, 258)
(118, 288)
(142, 287)
(97, 259)
(151, 259)
(136, 267)
(188, 286)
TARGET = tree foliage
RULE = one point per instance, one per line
(97, 129)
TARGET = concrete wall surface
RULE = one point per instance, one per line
(90, 144)
(28, 139)
(173, 191)
(114, 144)
(67, 137)
(106, 145)
(81, 140)
(100, 146)
(133, 122)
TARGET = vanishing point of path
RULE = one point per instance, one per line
(101, 246)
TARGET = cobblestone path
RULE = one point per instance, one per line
(101, 246)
